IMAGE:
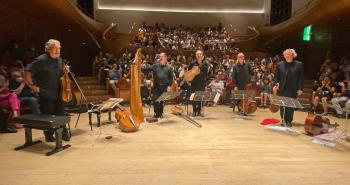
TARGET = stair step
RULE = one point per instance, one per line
(95, 92)
(91, 87)
(98, 98)
(86, 82)
(304, 100)
(87, 78)
(306, 95)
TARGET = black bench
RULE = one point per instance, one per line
(43, 122)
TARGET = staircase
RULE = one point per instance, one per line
(307, 91)
(92, 89)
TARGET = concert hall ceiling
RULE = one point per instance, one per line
(236, 15)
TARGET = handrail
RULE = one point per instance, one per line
(303, 8)
(85, 11)
(85, 28)
(112, 25)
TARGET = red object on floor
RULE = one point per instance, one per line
(268, 121)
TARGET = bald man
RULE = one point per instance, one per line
(162, 79)
(241, 74)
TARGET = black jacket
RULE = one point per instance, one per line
(241, 75)
(199, 82)
(290, 77)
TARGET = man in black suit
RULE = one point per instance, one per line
(200, 81)
(289, 77)
(162, 80)
(241, 75)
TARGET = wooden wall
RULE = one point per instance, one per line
(28, 31)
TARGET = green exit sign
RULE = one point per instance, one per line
(307, 33)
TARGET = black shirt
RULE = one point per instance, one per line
(200, 81)
(46, 73)
(290, 77)
(241, 75)
(162, 75)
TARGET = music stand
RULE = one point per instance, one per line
(166, 96)
(243, 94)
(204, 96)
(107, 106)
(284, 102)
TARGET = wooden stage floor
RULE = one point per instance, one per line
(226, 150)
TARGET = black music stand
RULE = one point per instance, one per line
(241, 95)
(284, 102)
(107, 106)
(204, 96)
(166, 96)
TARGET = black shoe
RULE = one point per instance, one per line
(49, 139)
(65, 135)
(289, 124)
(8, 130)
(194, 114)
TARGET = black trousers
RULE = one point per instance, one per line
(286, 112)
(197, 107)
(3, 119)
(54, 107)
(158, 106)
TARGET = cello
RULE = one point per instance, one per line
(274, 108)
(247, 105)
(127, 122)
(316, 125)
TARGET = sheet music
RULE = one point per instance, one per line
(238, 94)
(285, 101)
(205, 96)
(169, 96)
(109, 104)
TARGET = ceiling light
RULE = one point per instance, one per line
(178, 10)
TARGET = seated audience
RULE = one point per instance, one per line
(25, 94)
(9, 100)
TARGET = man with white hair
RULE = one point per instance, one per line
(43, 77)
(289, 77)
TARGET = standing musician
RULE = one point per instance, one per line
(162, 79)
(241, 74)
(199, 82)
(289, 82)
(43, 77)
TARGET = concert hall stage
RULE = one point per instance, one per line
(226, 150)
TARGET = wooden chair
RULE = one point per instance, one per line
(123, 90)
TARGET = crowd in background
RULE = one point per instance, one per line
(332, 86)
(187, 38)
(219, 70)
